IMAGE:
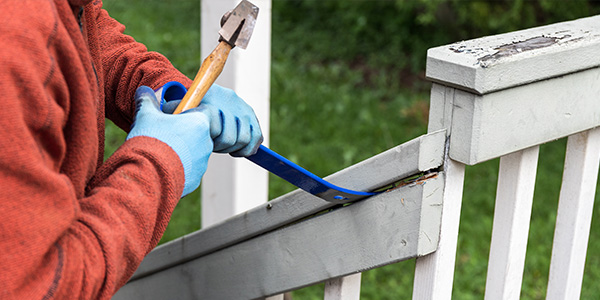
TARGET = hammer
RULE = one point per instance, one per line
(237, 26)
(236, 29)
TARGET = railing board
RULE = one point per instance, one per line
(377, 231)
(493, 125)
(440, 108)
(574, 216)
(421, 154)
(434, 273)
(493, 63)
(514, 199)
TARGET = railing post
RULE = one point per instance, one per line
(502, 96)
(231, 186)
(434, 273)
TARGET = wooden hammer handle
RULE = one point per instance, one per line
(211, 68)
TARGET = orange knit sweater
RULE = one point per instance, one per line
(72, 226)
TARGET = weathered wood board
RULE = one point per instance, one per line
(393, 226)
(498, 62)
(418, 155)
(512, 91)
(492, 125)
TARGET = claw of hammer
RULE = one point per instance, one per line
(236, 30)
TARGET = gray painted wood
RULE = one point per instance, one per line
(503, 61)
(421, 154)
(492, 125)
(440, 108)
(377, 231)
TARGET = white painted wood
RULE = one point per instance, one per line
(421, 154)
(494, 102)
(574, 216)
(434, 273)
(440, 108)
(344, 288)
(507, 60)
(514, 198)
(493, 125)
(380, 230)
(231, 186)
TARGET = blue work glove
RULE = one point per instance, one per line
(234, 127)
(187, 133)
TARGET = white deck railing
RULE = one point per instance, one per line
(499, 96)
(503, 96)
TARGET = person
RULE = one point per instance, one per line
(74, 226)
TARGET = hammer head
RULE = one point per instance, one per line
(239, 24)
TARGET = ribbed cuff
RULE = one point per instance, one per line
(182, 150)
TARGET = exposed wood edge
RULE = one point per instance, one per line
(367, 234)
(498, 62)
(418, 155)
(434, 273)
(431, 216)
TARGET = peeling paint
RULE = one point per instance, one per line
(522, 46)
(487, 55)
(476, 51)
(488, 64)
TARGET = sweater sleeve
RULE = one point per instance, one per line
(69, 230)
(125, 64)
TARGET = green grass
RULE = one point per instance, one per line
(327, 114)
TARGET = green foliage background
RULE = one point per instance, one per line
(347, 84)
(397, 33)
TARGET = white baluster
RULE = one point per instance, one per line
(574, 216)
(514, 199)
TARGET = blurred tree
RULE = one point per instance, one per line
(400, 31)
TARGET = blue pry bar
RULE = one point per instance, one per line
(305, 180)
(279, 165)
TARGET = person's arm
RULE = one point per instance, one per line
(124, 64)
(58, 244)
(69, 231)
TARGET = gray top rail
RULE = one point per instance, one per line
(498, 62)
